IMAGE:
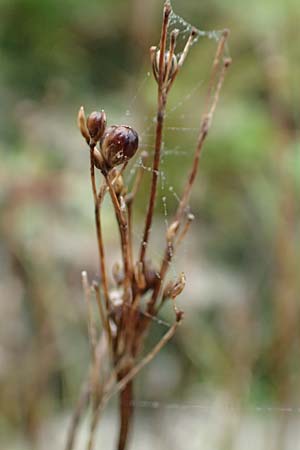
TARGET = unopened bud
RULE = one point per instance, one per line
(96, 123)
(139, 275)
(81, 123)
(172, 230)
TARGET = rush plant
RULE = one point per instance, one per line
(139, 289)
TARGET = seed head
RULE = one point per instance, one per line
(118, 145)
(155, 56)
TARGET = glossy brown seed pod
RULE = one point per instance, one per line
(96, 123)
(119, 143)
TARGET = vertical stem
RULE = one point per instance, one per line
(97, 204)
(123, 229)
(126, 413)
(162, 100)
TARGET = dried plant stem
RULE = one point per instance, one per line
(215, 66)
(84, 395)
(162, 101)
(123, 228)
(184, 54)
(81, 405)
(112, 389)
(126, 411)
(97, 204)
(204, 128)
(123, 315)
(91, 323)
(103, 317)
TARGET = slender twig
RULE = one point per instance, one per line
(103, 316)
(204, 128)
(185, 229)
(81, 405)
(215, 66)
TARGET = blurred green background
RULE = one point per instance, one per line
(239, 344)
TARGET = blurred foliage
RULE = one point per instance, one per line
(242, 326)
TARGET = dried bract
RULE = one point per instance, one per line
(81, 122)
(173, 289)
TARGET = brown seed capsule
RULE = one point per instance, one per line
(173, 289)
(118, 144)
(155, 64)
(96, 123)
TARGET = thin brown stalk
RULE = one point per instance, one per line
(84, 398)
(121, 218)
(184, 231)
(162, 100)
(204, 128)
(215, 67)
(113, 390)
(182, 58)
(91, 324)
(103, 316)
(97, 204)
(80, 407)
